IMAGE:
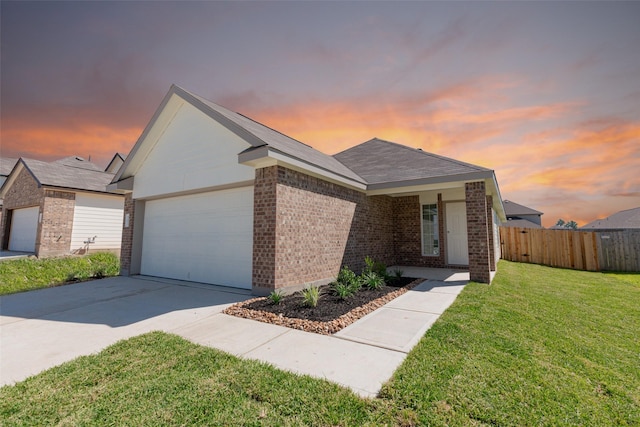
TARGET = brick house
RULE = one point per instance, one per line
(215, 197)
(57, 208)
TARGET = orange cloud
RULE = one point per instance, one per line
(50, 142)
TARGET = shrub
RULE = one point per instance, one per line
(372, 280)
(275, 297)
(398, 273)
(310, 296)
(342, 290)
(376, 267)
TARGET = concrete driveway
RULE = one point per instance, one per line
(44, 328)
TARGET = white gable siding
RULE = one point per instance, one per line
(100, 216)
(193, 152)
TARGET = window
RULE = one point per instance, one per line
(430, 239)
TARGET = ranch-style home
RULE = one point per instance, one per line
(213, 196)
(60, 208)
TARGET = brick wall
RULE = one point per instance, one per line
(306, 228)
(477, 231)
(23, 193)
(127, 235)
(407, 237)
(57, 223)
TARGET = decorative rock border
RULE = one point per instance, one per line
(324, 328)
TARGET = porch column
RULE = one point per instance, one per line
(478, 232)
(492, 245)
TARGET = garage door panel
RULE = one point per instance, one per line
(203, 238)
(24, 227)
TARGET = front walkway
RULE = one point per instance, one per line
(41, 329)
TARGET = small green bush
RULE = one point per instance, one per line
(310, 296)
(372, 280)
(398, 273)
(275, 297)
(342, 290)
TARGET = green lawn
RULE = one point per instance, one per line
(540, 346)
(27, 274)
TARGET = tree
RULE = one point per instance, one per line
(571, 224)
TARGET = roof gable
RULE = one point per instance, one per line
(512, 208)
(381, 162)
(256, 134)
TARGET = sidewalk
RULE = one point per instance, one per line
(43, 328)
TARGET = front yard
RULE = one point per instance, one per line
(540, 346)
(27, 274)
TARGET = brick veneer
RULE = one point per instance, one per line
(306, 228)
(407, 239)
(126, 245)
(23, 193)
(478, 232)
(57, 223)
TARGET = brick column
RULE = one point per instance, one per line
(264, 230)
(57, 223)
(478, 232)
(127, 234)
(492, 246)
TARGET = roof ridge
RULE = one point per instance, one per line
(419, 150)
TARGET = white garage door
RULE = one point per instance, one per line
(24, 226)
(204, 238)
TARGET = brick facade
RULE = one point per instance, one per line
(306, 228)
(23, 193)
(57, 223)
(407, 237)
(53, 236)
(478, 232)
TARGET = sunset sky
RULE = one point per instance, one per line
(545, 93)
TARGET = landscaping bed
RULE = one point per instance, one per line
(330, 315)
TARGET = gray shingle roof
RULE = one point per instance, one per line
(629, 218)
(514, 209)
(379, 161)
(279, 141)
(78, 162)
(6, 165)
(61, 174)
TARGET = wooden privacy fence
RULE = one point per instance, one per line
(579, 250)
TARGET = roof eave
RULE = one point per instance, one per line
(266, 156)
(123, 186)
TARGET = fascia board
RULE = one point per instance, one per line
(466, 177)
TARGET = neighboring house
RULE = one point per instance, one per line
(623, 220)
(521, 216)
(60, 207)
(215, 197)
(6, 165)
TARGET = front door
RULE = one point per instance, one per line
(457, 249)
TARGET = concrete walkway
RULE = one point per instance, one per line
(41, 329)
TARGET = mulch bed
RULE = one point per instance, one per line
(332, 313)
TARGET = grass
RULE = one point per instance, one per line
(30, 273)
(540, 346)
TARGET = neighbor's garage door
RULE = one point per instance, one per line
(24, 226)
(204, 238)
